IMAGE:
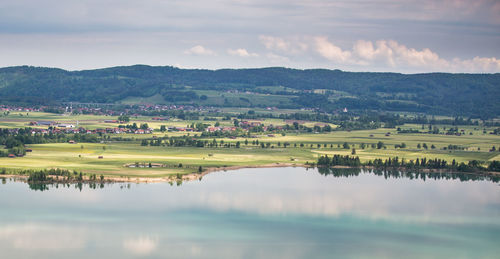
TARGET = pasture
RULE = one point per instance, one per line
(474, 144)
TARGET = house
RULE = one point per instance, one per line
(65, 126)
(44, 123)
(29, 150)
(229, 129)
(71, 142)
(161, 118)
(213, 129)
(100, 157)
(12, 156)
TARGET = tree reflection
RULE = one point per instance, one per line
(37, 186)
(335, 172)
(463, 177)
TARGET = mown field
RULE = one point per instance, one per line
(22, 119)
(84, 156)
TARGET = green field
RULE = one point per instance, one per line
(218, 98)
(84, 156)
(116, 155)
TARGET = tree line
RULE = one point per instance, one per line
(403, 164)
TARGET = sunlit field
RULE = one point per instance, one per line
(301, 148)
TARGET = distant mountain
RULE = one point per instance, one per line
(436, 93)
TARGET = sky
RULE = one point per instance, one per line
(407, 36)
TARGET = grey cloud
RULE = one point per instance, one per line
(153, 14)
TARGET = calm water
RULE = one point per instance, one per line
(255, 213)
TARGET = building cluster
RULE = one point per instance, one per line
(135, 110)
(54, 127)
(10, 108)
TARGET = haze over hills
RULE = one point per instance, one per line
(473, 95)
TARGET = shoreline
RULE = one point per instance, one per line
(198, 176)
(209, 170)
(171, 178)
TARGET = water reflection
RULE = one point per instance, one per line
(143, 245)
(79, 186)
(316, 192)
(334, 172)
(257, 213)
(463, 177)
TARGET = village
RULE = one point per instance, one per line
(67, 128)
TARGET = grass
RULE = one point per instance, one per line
(117, 154)
(478, 140)
(217, 98)
(20, 120)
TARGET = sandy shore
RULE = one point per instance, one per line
(196, 176)
(170, 178)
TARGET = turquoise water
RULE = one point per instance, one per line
(255, 213)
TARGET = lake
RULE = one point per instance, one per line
(256, 213)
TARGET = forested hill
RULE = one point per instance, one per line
(437, 93)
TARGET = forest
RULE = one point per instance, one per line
(471, 95)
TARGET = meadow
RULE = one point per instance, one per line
(116, 156)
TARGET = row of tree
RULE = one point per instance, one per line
(419, 163)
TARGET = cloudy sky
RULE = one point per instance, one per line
(409, 36)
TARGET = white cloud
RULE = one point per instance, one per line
(274, 43)
(476, 65)
(395, 56)
(289, 46)
(415, 58)
(43, 237)
(330, 51)
(199, 50)
(367, 53)
(241, 52)
(381, 55)
(141, 245)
